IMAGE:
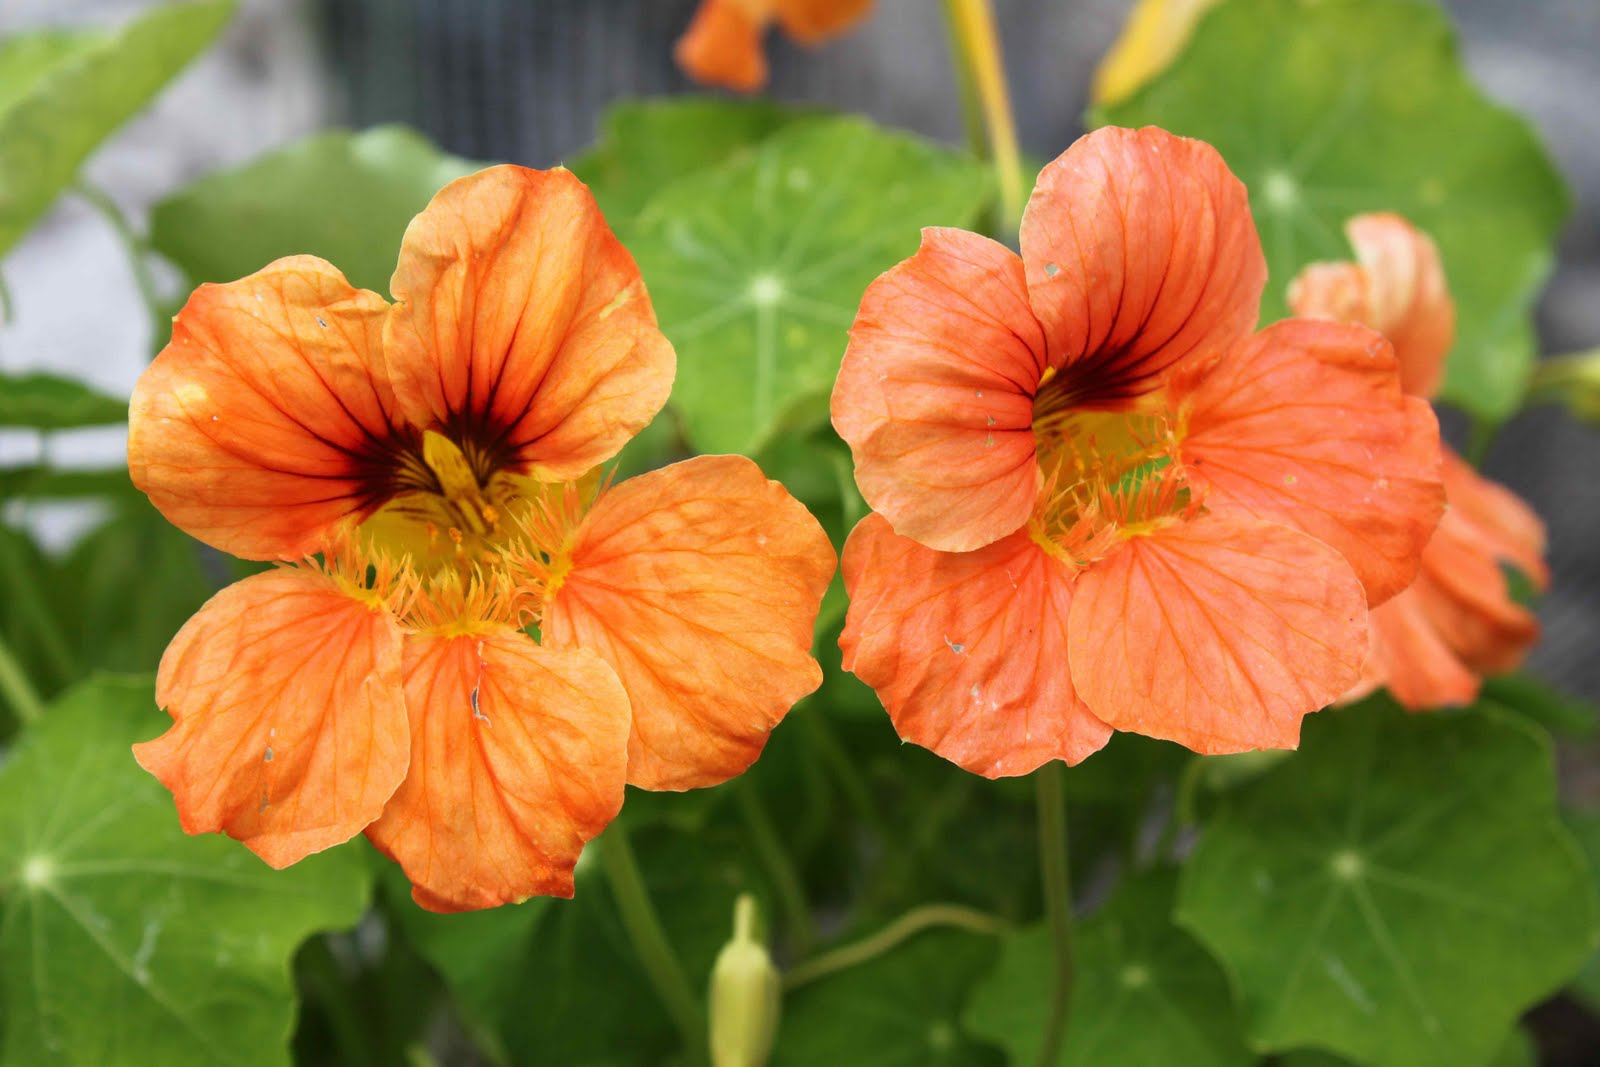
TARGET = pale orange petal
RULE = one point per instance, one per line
(814, 21)
(968, 650)
(290, 719)
(518, 757)
(1398, 289)
(1410, 299)
(935, 394)
(1218, 633)
(265, 421)
(722, 45)
(700, 584)
(1468, 600)
(1141, 254)
(523, 327)
(1305, 424)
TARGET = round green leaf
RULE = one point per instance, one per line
(1329, 108)
(63, 92)
(122, 939)
(756, 267)
(345, 197)
(645, 144)
(1144, 993)
(1398, 891)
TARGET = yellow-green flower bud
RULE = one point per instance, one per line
(745, 994)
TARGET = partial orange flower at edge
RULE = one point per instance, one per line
(1101, 501)
(437, 452)
(1434, 642)
(723, 46)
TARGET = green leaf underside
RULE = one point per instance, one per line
(756, 267)
(645, 144)
(1398, 891)
(344, 197)
(1330, 108)
(50, 402)
(123, 940)
(899, 1010)
(1144, 993)
(62, 92)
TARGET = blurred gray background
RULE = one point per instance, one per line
(525, 80)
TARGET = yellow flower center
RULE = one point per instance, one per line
(478, 544)
(1108, 476)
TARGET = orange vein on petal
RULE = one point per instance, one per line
(699, 583)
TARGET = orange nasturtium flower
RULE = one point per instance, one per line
(439, 456)
(722, 45)
(1433, 643)
(1103, 502)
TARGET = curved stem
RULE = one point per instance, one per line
(138, 250)
(876, 944)
(973, 29)
(780, 868)
(16, 688)
(650, 944)
(1053, 865)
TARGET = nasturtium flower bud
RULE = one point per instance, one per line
(745, 994)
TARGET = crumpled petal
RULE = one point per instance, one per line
(1495, 519)
(1304, 424)
(523, 328)
(1141, 255)
(1220, 633)
(1399, 289)
(1412, 660)
(968, 651)
(289, 728)
(935, 394)
(265, 422)
(699, 584)
(518, 757)
(814, 21)
(722, 46)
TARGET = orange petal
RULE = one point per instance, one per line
(518, 755)
(1412, 659)
(1468, 600)
(814, 21)
(1495, 519)
(1219, 633)
(1399, 289)
(722, 45)
(264, 422)
(523, 325)
(289, 728)
(700, 584)
(967, 651)
(935, 395)
(1305, 424)
(1141, 254)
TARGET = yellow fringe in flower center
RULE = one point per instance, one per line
(473, 550)
(1108, 476)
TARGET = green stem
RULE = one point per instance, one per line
(896, 932)
(137, 248)
(5, 301)
(780, 868)
(16, 688)
(1053, 865)
(972, 28)
(650, 944)
(838, 761)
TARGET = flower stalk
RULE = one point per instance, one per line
(1053, 865)
(982, 74)
(650, 944)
